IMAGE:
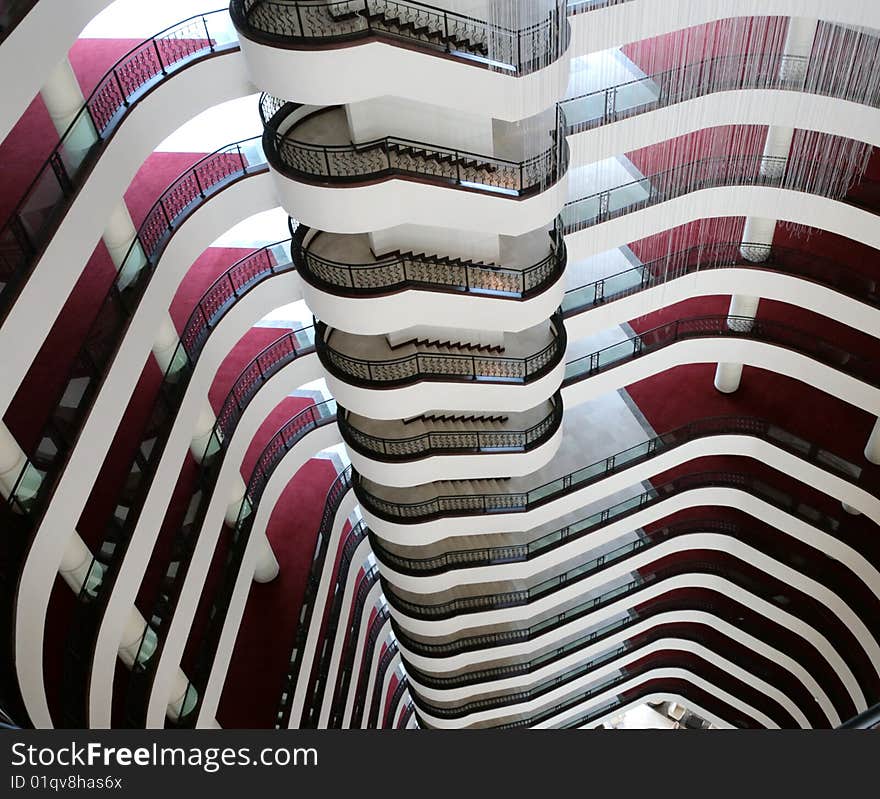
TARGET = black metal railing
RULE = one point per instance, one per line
(513, 635)
(496, 601)
(340, 487)
(280, 353)
(651, 609)
(394, 273)
(868, 720)
(607, 685)
(863, 368)
(382, 666)
(393, 705)
(321, 667)
(741, 71)
(350, 643)
(723, 255)
(39, 212)
(440, 366)
(756, 665)
(226, 290)
(377, 628)
(390, 156)
(474, 41)
(498, 440)
(796, 173)
(523, 501)
(290, 434)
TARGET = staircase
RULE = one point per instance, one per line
(440, 418)
(410, 157)
(411, 22)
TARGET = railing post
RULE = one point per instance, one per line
(207, 33)
(159, 56)
(299, 19)
(241, 158)
(122, 92)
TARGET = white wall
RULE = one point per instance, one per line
(35, 47)
(311, 76)
(421, 122)
(435, 240)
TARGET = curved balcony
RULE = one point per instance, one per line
(824, 646)
(332, 673)
(440, 290)
(295, 49)
(405, 452)
(56, 185)
(399, 507)
(403, 22)
(291, 433)
(427, 437)
(753, 71)
(864, 369)
(362, 360)
(314, 157)
(316, 147)
(48, 458)
(715, 256)
(749, 668)
(208, 177)
(601, 569)
(796, 173)
(666, 669)
(698, 607)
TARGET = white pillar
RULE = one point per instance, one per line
(757, 239)
(166, 348)
(798, 46)
(75, 567)
(13, 462)
(872, 448)
(139, 642)
(728, 377)
(202, 434)
(64, 99)
(119, 236)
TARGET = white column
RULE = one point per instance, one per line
(12, 462)
(64, 99)
(139, 642)
(758, 233)
(798, 46)
(872, 448)
(166, 348)
(120, 237)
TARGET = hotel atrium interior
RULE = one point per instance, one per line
(376, 364)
